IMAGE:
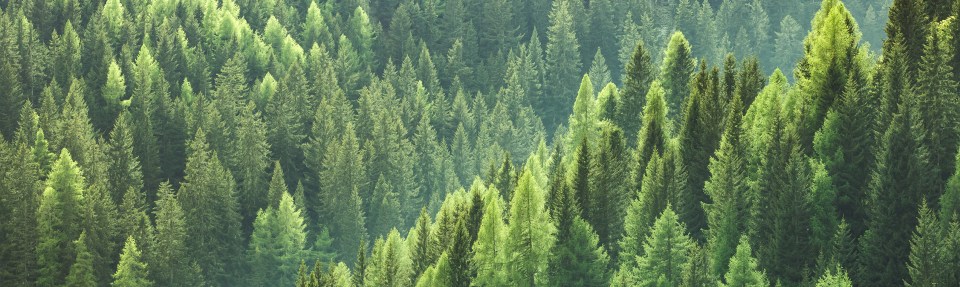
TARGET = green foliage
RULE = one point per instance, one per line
(563, 60)
(744, 270)
(637, 77)
(390, 265)
(675, 73)
(278, 243)
(531, 235)
(81, 272)
(131, 271)
(489, 252)
(835, 278)
(58, 219)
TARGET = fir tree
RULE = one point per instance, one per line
(168, 259)
(577, 259)
(341, 180)
(59, 217)
(744, 270)
(81, 272)
(927, 259)
(132, 271)
(278, 243)
(666, 251)
(653, 136)
(390, 265)
(637, 77)
(676, 71)
(489, 252)
(563, 59)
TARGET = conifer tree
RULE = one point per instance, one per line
(836, 277)
(341, 180)
(698, 139)
(599, 72)
(81, 272)
(938, 102)
(212, 220)
(609, 187)
(20, 185)
(666, 251)
(250, 164)
(902, 165)
(577, 258)
(928, 255)
(563, 60)
(278, 243)
(729, 212)
(489, 252)
(654, 133)
(132, 271)
(675, 73)
(124, 168)
(168, 257)
(637, 77)
(908, 26)
(744, 270)
(59, 217)
(420, 240)
(390, 265)
(583, 121)
(531, 235)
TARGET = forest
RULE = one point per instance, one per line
(388, 143)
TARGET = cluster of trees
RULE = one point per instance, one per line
(487, 143)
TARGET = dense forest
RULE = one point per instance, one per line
(479, 143)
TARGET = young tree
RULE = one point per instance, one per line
(836, 277)
(132, 271)
(744, 270)
(341, 180)
(927, 265)
(168, 258)
(390, 265)
(665, 251)
(654, 134)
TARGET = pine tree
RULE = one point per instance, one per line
(654, 133)
(637, 77)
(902, 165)
(250, 165)
(341, 180)
(577, 258)
(835, 278)
(168, 259)
(531, 236)
(939, 103)
(132, 271)
(729, 212)
(927, 260)
(676, 71)
(278, 243)
(391, 264)
(744, 270)
(831, 59)
(81, 272)
(59, 217)
(785, 43)
(206, 194)
(124, 168)
(666, 251)
(563, 60)
(489, 252)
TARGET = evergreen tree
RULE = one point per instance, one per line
(531, 235)
(390, 265)
(675, 73)
(835, 278)
(599, 72)
(908, 26)
(927, 259)
(278, 243)
(81, 272)
(732, 204)
(341, 180)
(637, 77)
(577, 259)
(489, 251)
(58, 220)
(666, 251)
(212, 220)
(250, 165)
(168, 258)
(610, 192)
(563, 60)
(902, 165)
(939, 103)
(20, 186)
(420, 241)
(744, 270)
(124, 169)
(654, 133)
(132, 271)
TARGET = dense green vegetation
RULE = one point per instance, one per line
(479, 143)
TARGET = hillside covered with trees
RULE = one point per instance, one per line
(391, 143)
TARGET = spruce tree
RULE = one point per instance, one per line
(836, 277)
(132, 271)
(927, 265)
(939, 103)
(902, 165)
(609, 188)
(666, 251)
(390, 265)
(124, 169)
(563, 60)
(577, 258)
(654, 134)
(59, 217)
(731, 206)
(81, 272)
(744, 270)
(341, 180)
(212, 220)
(908, 26)
(250, 165)
(278, 243)
(599, 71)
(637, 77)
(169, 262)
(675, 73)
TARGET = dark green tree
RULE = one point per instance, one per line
(676, 72)
(637, 76)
